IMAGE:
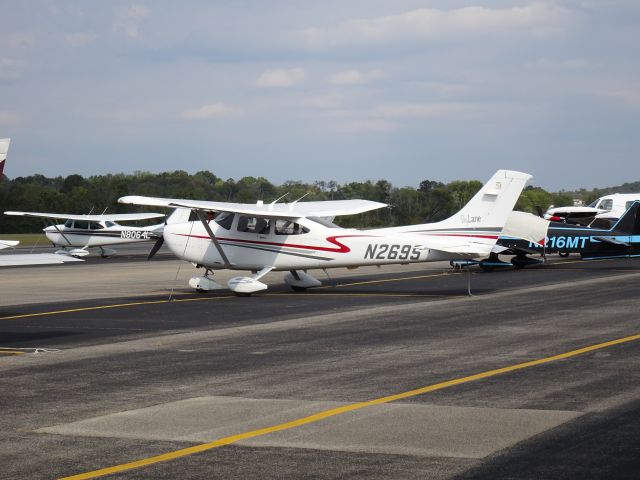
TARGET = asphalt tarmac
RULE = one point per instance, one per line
(390, 373)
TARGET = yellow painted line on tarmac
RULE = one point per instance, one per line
(341, 410)
(115, 305)
(200, 299)
(11, 351)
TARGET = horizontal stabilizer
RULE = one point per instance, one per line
(526, 226)
(475, 249)
(612, 241)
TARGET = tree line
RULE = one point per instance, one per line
(430, 202)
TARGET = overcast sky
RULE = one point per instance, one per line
(403, 90)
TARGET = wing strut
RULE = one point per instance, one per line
(223, 255)
(51, 222)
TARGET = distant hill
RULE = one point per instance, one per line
(589, 195)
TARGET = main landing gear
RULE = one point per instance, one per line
(240, 286)
(205, 283)
(106, 252)
(524, 261)
(299, 281)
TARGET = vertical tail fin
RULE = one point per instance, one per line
(491, 206)
(629, 222)
(4, 149)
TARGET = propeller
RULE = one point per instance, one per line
(156, 246)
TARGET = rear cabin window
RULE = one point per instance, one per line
(109, 224)
(68, 223)
(286, 227)
(225, 219)
(323, 221)
(253, 225)
(95, 226)
(627, 205)
(606, 204)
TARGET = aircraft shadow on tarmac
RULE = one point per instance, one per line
(15, 338)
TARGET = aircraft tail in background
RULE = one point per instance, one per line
(4, 149)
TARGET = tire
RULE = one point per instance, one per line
(518, 265)
(298, 289)
(241, 294)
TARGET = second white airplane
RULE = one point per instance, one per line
(298, 237)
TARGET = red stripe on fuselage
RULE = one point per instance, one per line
(342, 248)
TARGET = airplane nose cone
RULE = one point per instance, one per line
(174, 238)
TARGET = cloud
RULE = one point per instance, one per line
(428, 109)
(210, 111)
(628, 96)
(348, 77)
(21, 40)
(8, 119)
(11, 70)
(281, 78)
(443, 89)
(321, 102)
(127, 20)
(570, 64)
(366, 125)
(79, 39)
(433, 25)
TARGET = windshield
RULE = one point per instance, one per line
(225, 219)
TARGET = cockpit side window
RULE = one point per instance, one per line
(287, 227)
(68, 223)
(82, 224)
(627, 205)
(225, 219)
(256, 225)
(95, 226)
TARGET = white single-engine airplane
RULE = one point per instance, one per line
(297, 236)
(81, 232)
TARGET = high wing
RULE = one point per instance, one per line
(35, 259)
(328, 208)
(116, 217)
